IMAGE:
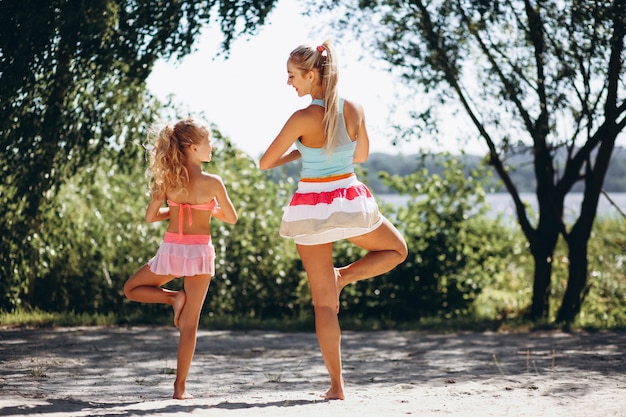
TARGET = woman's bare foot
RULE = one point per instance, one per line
(179, 303)
(334, 394)
(339, 285)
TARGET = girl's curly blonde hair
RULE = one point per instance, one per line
(167, 157)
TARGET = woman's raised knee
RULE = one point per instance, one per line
(402, 252)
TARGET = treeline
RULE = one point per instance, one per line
(522, 174)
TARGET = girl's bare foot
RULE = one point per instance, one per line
(183, 396)
(179, 303)
(334, 394)
(180, 393)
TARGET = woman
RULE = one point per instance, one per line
(330, 203)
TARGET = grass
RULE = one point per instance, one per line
(38, 370)
(276, 378)
(40, 319)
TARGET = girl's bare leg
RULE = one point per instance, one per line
(387, 249)
(318, 263)
(196, 288)
(145, 287)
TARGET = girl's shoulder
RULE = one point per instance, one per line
(206, 184)
(210, 178)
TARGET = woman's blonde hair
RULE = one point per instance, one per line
(322, 59)
(167, 157)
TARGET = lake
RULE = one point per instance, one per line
(502, 203)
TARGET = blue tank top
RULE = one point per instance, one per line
(317, 163)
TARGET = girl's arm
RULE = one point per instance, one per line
(277, 153)
(225, 211)
(155, 212)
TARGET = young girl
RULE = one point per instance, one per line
(193, 197)
(330, 203)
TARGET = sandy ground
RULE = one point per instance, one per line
(128, 371)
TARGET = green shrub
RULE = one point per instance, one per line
(463, 263)
(453, 250)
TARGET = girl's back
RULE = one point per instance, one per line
(193, 208)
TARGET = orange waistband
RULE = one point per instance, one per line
(328, 179)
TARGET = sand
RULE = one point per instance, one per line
(128, 371)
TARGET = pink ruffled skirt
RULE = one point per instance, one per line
(184, 255)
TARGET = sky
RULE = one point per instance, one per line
(247, 97)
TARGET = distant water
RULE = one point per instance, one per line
(502, 203)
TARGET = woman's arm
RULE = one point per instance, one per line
(277, 153)
(293, 155)
(362, 150)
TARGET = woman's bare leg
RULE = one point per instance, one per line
(145, 287)
(386, 250)
(318, 263)
(196, 288)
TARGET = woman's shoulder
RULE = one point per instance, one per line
(352, 106)
(353, 111)
(312, 110)
(306, 118)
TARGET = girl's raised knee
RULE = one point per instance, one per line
(128, 289)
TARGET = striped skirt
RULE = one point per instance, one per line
(330, 209)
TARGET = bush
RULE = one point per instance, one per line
(462, 263)
(453, 250)
(95, 237)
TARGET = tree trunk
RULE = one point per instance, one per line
(578, 239)
(541, 289)
(542, 255)
(576, 282)
(543, 241)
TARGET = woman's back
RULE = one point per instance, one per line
(318, 162)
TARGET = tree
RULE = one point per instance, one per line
(73, 84)
(538, 78)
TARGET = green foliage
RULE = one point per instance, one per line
(464, 268)
(73, 88)
(452, 252)
(96, 237)
(541, 81)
